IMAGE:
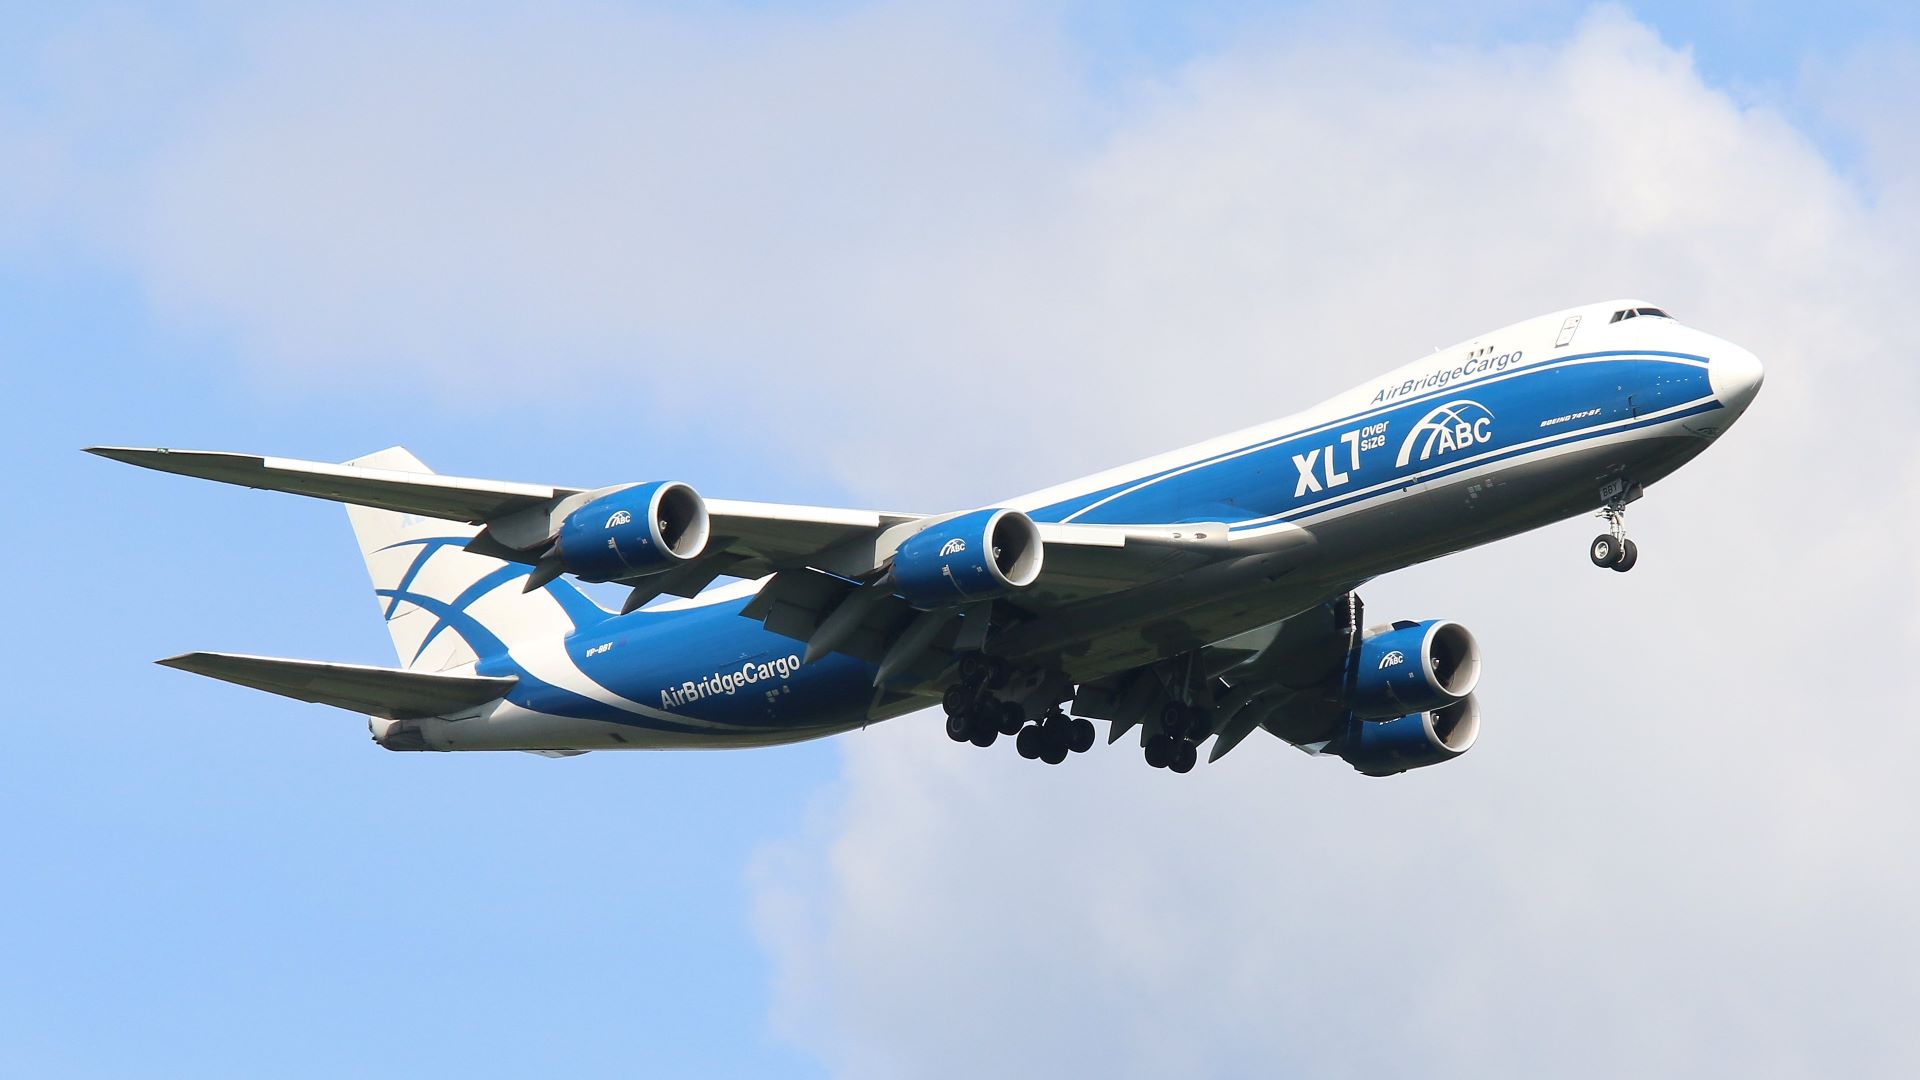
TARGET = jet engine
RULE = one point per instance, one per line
(633, 532)
(1413, 741)
(975, 556)
(1413, 667)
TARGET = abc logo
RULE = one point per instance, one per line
(1453, 426)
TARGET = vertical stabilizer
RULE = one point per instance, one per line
(447, 607)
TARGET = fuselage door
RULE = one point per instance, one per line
(1566, 332)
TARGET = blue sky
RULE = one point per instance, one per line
(527, 252)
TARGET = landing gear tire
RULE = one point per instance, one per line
(1028, 742)
(1053, 752)
(1012, 718)
(984, 736)
(1606, 551)
(1185, 756)
(957, 700)
(1629, 554)
(959, 727)
(973, 669)
(1081, 735)
(1160, 751)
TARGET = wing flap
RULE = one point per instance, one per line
(374, 691)
(776, 536)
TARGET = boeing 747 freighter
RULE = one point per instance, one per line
(1189, 599)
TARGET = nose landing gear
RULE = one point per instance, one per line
(1612, 550)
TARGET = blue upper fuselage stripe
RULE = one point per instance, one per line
(580, 608)
(1578, 436)
(1075, 507)
(1289, 476)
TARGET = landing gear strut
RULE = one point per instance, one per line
(1611, 549)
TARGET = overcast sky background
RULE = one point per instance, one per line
(922, 256)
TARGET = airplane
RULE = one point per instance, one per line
(1200, 594)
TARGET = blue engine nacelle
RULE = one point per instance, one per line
(1413, 741)
(633, 532)
(976, 556)
(1411, 668)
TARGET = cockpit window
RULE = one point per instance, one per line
(1633, 313)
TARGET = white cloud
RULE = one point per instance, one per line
(1679, 849)
(1683, 845)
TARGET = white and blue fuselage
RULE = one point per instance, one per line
(1534, 423)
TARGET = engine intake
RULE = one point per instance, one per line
(976, 556)
(1415, 667)
(1413, 741)
(634, 532)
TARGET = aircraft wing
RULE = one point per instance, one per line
(820, 557)
(375, 691)
(750, 539)
(455, 498)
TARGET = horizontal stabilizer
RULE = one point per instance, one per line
(374, 691)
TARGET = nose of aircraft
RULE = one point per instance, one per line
(1735, 375)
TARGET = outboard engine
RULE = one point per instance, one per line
(975, 556)
(1414, 667)
(1413, 741)
(633, 532)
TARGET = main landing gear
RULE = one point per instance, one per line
(1176, 746)
(1612, 550)
(1054, 736)
(976, 715)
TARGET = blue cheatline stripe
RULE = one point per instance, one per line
(552, 700)
(1070, 508)
(473, 592)
(428, 546)
(579, 608)
(481, 640)
(1427, 478)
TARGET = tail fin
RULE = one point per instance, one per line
(429, 585)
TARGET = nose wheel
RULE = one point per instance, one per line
(1613, 553)
(1612, 550)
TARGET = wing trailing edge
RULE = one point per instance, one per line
(455, 498)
